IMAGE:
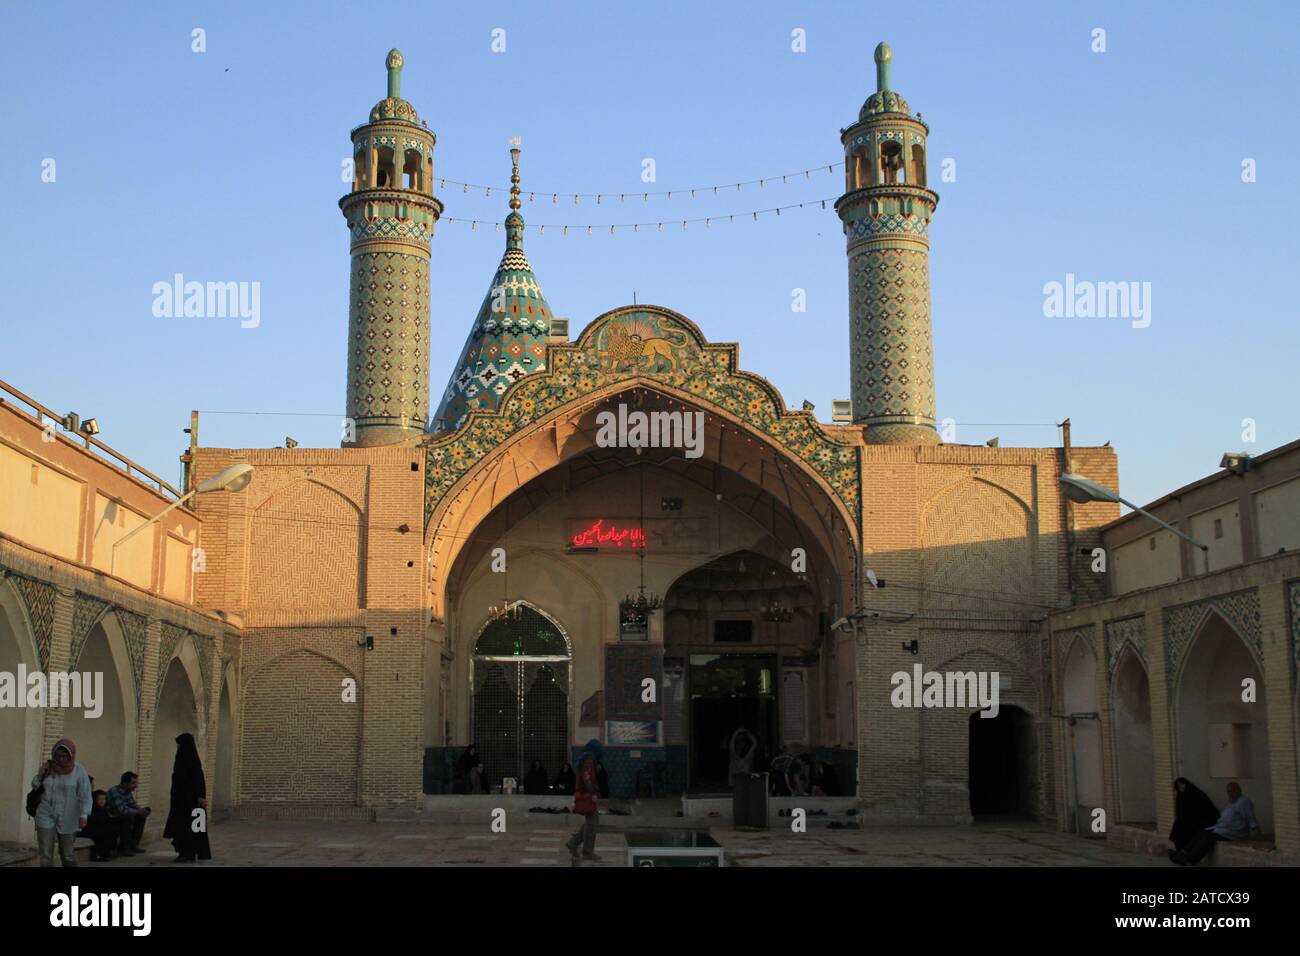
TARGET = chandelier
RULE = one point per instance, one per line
(505, 611)
(777, 613)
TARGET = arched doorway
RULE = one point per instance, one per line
(20, 727)
(1002, 761)
(537, 499)
(521, 692)
(1131, 705)
(106, 742)
(224, 779)
(752, 635)
(1083, 734)
(177, 714)
(1222, 737)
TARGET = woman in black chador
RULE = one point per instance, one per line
(1193, 812)
(189, 792)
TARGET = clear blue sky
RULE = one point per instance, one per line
(224, 166)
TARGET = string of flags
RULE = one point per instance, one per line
(707, 221)
(644, 196)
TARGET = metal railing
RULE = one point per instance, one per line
(111, 455)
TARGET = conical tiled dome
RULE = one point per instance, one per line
(508, 340)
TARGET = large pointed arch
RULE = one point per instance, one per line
(108, 741)
(21, 728)
(1131, 736)
(1220, 731)
(570, 432)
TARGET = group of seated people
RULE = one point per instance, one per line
(806, 777)
(116, 821)
(1199, 824)
(470, 777)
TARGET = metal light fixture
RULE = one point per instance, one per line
(1082, 490)
(232, 479)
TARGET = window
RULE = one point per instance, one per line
(733, 632)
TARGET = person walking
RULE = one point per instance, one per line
(65, 803)
(584, 804)
(189, 792)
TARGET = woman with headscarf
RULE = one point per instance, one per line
(566, 779)
(469, 768)
(584, 804)
(535, 779)
(65, 803)
(1193, 812)
(189, 792)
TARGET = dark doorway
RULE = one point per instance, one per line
(521, 695)
(729, 691)
(1002, 762)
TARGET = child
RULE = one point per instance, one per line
(100, 828)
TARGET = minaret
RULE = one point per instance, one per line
(391, 213)
(508, 338)
(886, 210)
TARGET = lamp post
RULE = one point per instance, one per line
(234, 478)
(1082, 490)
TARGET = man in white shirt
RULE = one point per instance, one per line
(1236, 822)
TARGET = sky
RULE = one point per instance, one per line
(1121, 165)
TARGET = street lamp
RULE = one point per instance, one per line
(235, 478)
(1082, 490)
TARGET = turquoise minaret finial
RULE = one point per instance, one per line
(884, 57)
(394, 64)
(514, 221)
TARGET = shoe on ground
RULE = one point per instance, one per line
(575, 860)
(592, 857)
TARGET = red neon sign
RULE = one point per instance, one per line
(600, 533)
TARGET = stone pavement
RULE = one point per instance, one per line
(540, 843)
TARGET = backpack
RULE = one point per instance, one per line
(34, 796)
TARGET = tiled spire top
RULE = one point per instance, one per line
(393, 106)
(508, 338)
(885, 99)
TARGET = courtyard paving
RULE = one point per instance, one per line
(541, 844)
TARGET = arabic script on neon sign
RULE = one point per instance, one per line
(602, 534)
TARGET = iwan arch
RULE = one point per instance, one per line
(431, 562)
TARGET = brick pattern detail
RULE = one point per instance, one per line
(977, 539)
(1118, 633)
(39, 597)
(305, 549)
(301, 740)
(133, 629)
(1183, 623)
(88, 610)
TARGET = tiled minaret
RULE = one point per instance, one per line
(508, 338)
(391, 213)
(886, 210)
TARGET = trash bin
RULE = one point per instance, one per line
(749, 801)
